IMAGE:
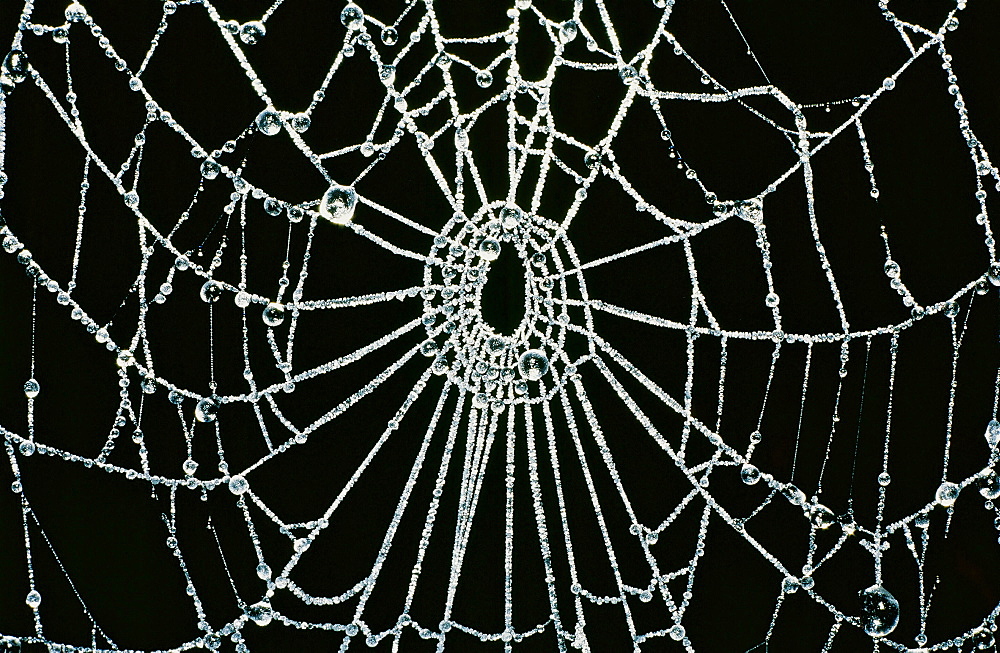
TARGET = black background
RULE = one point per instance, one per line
(108, 532)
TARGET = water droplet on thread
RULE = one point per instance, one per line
(989, 484)
(210, 291)
(238, 485)
(749, 474)
(207, 410)
(252, 31)
(31, 388)
(260, 613)
(489, 249)
(533, 364)
(75, 12)
(822, 517)
(352, 17)
(568, 31)
(993, 433)
(301, 122)
(947, 494)
(268, 122)
(879, 611)
(15, 66)
(338, 204)
(273, 315)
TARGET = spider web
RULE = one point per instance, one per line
(555, 327)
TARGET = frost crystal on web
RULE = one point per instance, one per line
(306, 285)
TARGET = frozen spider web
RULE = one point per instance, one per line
(547, 455)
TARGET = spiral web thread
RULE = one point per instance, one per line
(498, 383)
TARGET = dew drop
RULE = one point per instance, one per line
(352, 17)
(238, 485)
(888, 83)
(260, 613)
(533, 364)
(510, 217)
(879, 611)
(461, 140)
(31, 388)
(484, 78)
(389, 35)
(207, 410)
(273, 315)
(884, 479)
(387, 74)
(189, 467)
(568, 31)
(338, 204)
(268, 122)
(993, 433)
(771, 300)
(994, 273)
(27, 448)
(131, 199)
(210, 291)
(951, 309)
(301, 122)
(272, 206)
(749, 473)
(891, 269)
(628, 74)
(252, 31)
(794, 494)
(15, 66)
(75, 12)
(210, 169)
(489, 249)
(947, 494)
(125, 358)
(676, 632)
(263, 571)
(242, 299)
(822, 517)
(34, 599)
(989, 484)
